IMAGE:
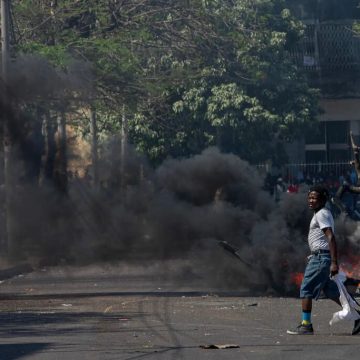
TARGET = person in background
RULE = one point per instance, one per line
(279, 189)
(300, 176)
(293, 188)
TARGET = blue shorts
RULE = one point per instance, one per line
(317, 278)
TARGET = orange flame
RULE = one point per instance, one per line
(350, 265)
(297, 278)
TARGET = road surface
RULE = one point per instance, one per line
(130, 312)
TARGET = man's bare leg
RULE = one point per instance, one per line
(305, 327)
(306, 304)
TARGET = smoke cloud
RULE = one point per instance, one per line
(33, 78)
(180, 210)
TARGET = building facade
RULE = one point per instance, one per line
(330, 55)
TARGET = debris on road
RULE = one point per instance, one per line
(222, 346)
(108, 309)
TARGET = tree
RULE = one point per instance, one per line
(246, 92)
(191, 73)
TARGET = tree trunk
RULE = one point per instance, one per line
(7, 138)
(94, 149)
(123, 152)
(9, 215)
(60, 173)
(48, 158)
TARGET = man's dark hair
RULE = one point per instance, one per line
(321, 190)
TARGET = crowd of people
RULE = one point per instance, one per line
(301, 181)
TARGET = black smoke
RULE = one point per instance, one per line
(180, 210)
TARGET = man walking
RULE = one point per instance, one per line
(322, 261)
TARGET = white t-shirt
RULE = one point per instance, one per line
(316, 238)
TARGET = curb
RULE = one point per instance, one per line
(14, 271)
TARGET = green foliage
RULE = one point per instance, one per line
(356, 27)
(57, 55)
(247, 96)
(191, 73)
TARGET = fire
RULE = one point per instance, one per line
(297, 278)
(350, 265)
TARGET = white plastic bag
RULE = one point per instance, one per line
(349, 305)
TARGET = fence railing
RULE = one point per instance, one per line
(320, 169)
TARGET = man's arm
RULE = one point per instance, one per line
(334, 268)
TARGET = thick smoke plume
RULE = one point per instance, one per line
(181, 210)
(32, 78)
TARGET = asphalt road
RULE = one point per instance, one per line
(123, 312)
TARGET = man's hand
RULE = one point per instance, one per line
(334, 268)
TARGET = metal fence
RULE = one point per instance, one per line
(293, 172)
(324, 170)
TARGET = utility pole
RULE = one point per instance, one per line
(7, 141)
(5, 38)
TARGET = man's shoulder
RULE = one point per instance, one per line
(324, 213)
(324, 210)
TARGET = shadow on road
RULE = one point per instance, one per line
(16, 351)
(13, 271)
(59, 323)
